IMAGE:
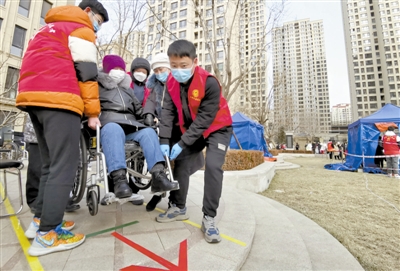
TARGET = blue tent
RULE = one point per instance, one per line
(363, 138)
(249, 133)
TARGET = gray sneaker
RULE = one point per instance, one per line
(211, 232)
(173, 214)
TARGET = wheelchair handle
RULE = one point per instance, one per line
(97, 138)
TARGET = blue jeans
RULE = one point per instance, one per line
(113, 138)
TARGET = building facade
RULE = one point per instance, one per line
(341, 115)
(301, 94)
(19, 20)
(372, 34)
(227, 42)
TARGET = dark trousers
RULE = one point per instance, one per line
(217, 145)
(33, 173)
(58, 134)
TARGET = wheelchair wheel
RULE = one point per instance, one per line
(78, 189)
(141, 183)
(92, 202)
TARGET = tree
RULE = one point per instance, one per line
(128, 16)
(281, 135)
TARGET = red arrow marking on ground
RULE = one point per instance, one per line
(182, 262)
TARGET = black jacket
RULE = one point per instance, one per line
(206, 114)
(119, 104)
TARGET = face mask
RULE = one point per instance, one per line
(96, 25)
(162, 77)
(117, 75)
(182, 75)
(139, 76)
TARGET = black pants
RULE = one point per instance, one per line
(58, 134)
(217, 145)
(33, 173)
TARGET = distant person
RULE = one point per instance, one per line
(391, 143)
(297, 146)
(379, 152)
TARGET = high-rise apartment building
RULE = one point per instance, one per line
(133, 42)
(301, 94)
(341, 114)
(19, 20)
(209, 24)
(372, 33)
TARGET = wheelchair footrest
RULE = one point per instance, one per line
(110, 198)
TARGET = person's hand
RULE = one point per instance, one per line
(164, 149)
(148, 120)
(93, 122)
(176, 150)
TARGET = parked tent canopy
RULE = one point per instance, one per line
(249, 133)
(363, 138)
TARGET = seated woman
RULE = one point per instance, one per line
(120, 115)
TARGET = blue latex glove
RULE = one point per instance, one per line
(176, 150)
(164, 149)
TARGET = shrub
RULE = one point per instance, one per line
(242, 160)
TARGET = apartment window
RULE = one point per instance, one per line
(1, 22)
(174, 15)
(209, 22)
(182, 34)
(183, 3)
(172, 37)
(11, 86)
(220, 9)
(209, 13)
(173, 26)
(24, 6)
(183, 13)
(3, 2)
(220, 55)
(220, 20)
(45, 8)
(18, 41)
(174, 5)
(149, 47)
(182, 24)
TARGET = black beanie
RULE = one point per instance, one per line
(140, 63)
(96, 6)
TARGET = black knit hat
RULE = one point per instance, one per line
(96, 6)
(140, 63)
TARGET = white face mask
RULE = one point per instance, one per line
(140, 76)
(117, 75)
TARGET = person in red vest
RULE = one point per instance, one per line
(391, 146)
(57, 85)
(194, 100)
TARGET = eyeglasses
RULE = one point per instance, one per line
(96, 18)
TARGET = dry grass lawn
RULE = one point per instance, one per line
(340, 203)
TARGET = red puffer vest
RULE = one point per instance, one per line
(390, 145)
(196, 93)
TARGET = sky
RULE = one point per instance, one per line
(329, 11)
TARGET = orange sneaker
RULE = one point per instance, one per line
(55, 240)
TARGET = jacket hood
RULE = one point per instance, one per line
(68, 14)
(106, 81)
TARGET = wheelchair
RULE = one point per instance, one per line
(89, 145)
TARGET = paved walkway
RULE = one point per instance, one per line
(258, 234)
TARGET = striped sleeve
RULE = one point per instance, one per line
(84, 54)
